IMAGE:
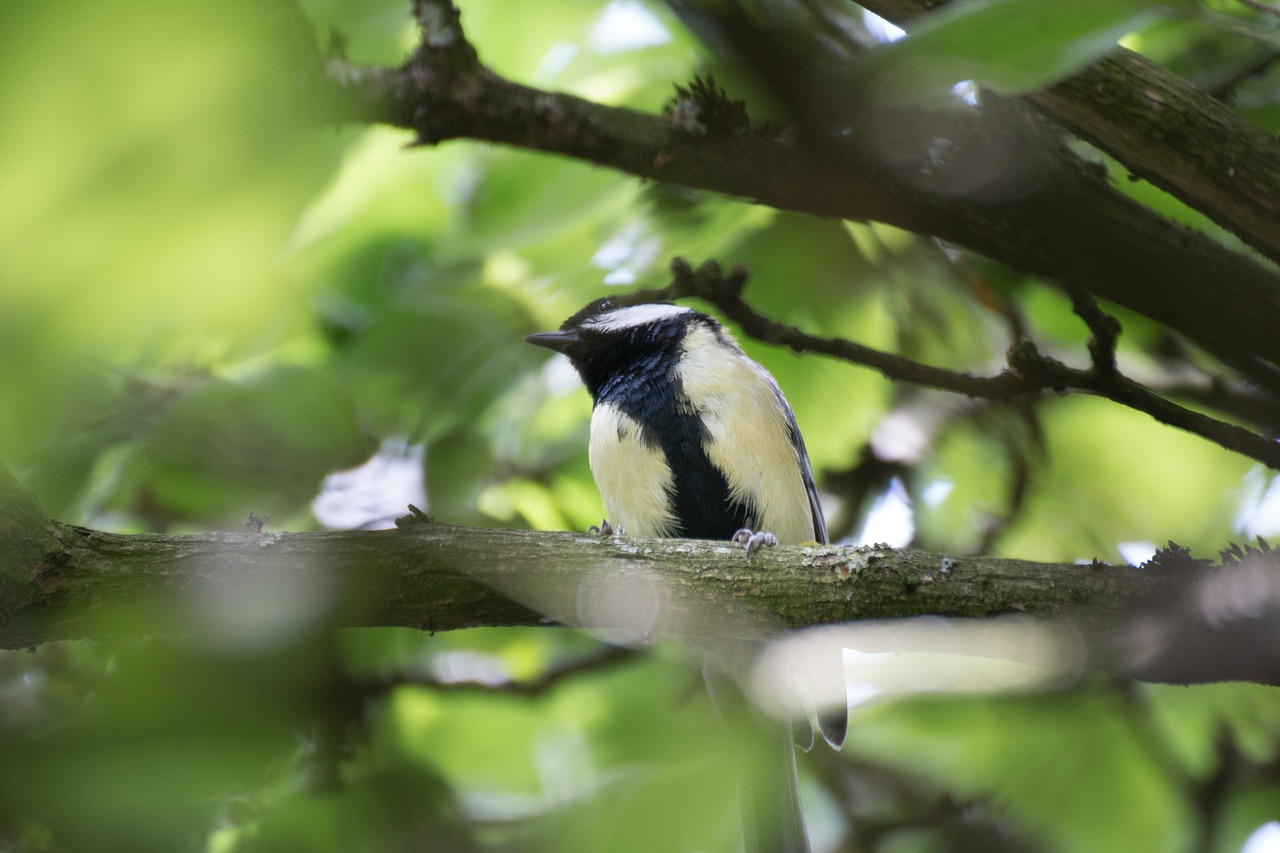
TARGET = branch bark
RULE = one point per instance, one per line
(437, 577)
(65, 582)
(1182, 622)
(1165, 131)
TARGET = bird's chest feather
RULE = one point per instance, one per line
(632, 473)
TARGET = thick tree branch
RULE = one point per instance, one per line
(1166, 131)
(438, 577)
(62, 582)
(58, 581)
(1062, 221)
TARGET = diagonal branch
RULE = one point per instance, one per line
(1029, 371)
(1067, 224)
(1164, 130)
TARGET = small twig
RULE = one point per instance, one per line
(1019, 455)
(1104, 328)
(440, 23)
(708, 283)
(555, 675)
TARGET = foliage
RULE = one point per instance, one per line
(211, 300)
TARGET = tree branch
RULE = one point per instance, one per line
(1063, 221)
(1029, 371)
(1179, 620)
(66, 581)
(437, 577)
(1164, 130)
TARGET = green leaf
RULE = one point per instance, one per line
(1010, 46)
(1029, 753)
(263, 443)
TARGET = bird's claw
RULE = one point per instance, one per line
(754, 541)
(605, 529)
(414, 516)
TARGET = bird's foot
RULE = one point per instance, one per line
(415, 516)
(605, 529)
(754, 541)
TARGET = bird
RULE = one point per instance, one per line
(691, 438)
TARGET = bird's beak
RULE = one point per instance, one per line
(558, 341)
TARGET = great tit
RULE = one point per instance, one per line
(691, 438)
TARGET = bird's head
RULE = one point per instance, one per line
(605, 340)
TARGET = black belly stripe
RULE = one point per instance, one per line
(702, 505)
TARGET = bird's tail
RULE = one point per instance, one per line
(772, 820)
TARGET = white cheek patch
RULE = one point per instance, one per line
(748, 438)
(634, 479)
(636, 315)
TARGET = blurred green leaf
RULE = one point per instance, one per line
(1027, 753)
(145, 189)
(1112, 475)
(1198, 722)
(261, 443)
(208, 301)
(166, 732)
(374, 31)
(405, 809)
(1010, 46)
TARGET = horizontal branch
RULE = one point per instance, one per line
(1180, 622)
(71, 582)
(437, 577)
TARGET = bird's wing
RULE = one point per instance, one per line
(806, 470)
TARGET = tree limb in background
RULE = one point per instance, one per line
(1188, 143)
(1064, 222)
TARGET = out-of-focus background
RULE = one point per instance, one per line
(212, 302)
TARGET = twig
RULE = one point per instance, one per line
(548, 680)
(709, 283)
(1104, 328)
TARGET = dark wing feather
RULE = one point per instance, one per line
(806, 470)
